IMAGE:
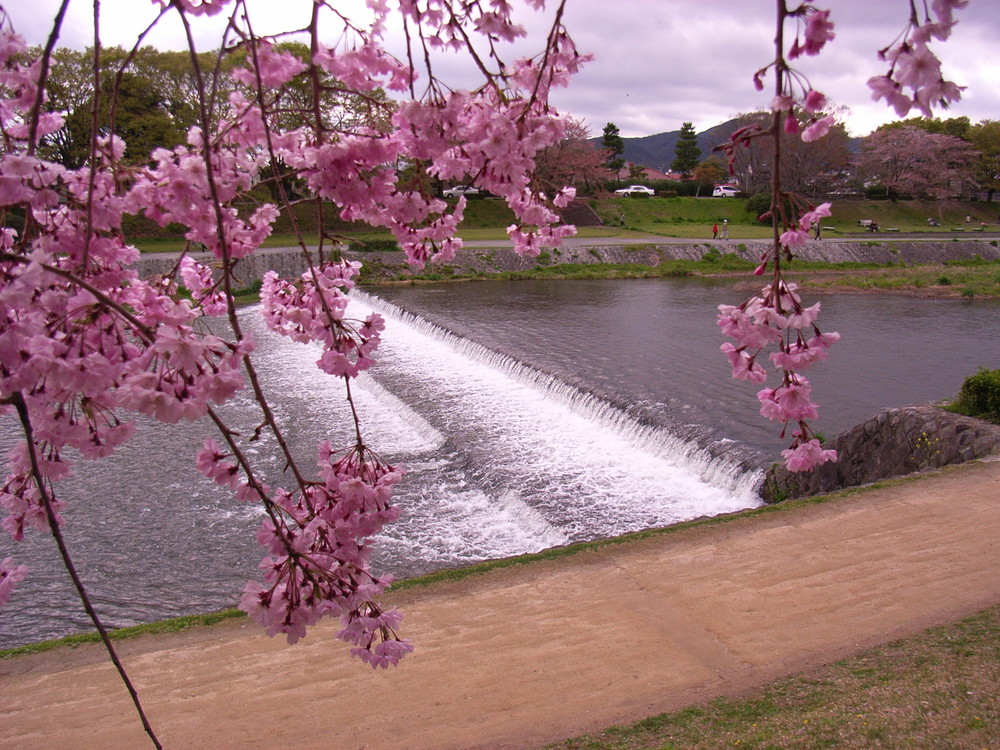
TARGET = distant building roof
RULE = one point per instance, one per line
(645, 173)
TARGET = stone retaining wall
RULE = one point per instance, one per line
(894, 443)
(491, 260)
(288, 262)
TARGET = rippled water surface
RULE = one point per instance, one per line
(528, 414)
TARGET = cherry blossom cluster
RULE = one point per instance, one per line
(198, 279)
(317, 561)
(775, 319)
(801, 105)
(313, 310)
(914, 78)
(10, 576)
(460, 135)
(85, 341)
(178, 190)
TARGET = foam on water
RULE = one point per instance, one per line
(308, 396)
(584, 465)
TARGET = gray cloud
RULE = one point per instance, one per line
(658, 63)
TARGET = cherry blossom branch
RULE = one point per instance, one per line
(17, 399)
(234, 321)
(775, 318)
(46, 58)
(83, 337)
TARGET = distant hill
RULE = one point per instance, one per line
(657, 151)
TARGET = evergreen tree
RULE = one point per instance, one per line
(614, 145)
(687, 153)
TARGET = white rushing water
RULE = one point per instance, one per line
(584, 465)
(501, 459)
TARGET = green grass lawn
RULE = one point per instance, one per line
(488, 219)
(934, 690)
(693, 217)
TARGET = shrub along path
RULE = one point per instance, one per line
(533, 653)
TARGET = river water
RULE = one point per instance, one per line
(528, 415)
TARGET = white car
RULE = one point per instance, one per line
(460, 190)
(636, 190)
(725, 191)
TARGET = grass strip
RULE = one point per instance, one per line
(976, 279)
(936, 689)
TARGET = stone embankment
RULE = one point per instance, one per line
(894, 443)
(472, 260)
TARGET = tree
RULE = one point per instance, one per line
(614, 148)
(953, 126)
(913, 161)
(133, 101)
(712, 170)
(985, 137)
(575, 160)
(687, 153)
(709, 172)
(809, 168)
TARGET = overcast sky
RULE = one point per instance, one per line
(658, 63)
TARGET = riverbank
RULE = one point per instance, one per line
(957, 268)
(530, 654)
(478, 258)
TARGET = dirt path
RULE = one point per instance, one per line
(527, 655)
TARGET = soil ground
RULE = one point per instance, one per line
(530, 654)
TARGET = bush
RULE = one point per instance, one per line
(980, 395)
(759, 204)
(374, 246)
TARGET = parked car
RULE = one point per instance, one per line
(459, 190)
(725, 191)
(635, 190)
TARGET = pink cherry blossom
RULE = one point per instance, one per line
(10, 576)
(818, 31)
(807, 455)
(818, 129)
(814, 101)
(810, 217)
(915, 66)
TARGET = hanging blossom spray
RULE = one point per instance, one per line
(774, 321)
(85, 340)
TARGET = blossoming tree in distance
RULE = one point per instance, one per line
(85, 341)
(775, 320)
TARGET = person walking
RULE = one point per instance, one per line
(725, 229)
(715, 230)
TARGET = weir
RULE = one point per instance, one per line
(527, 440)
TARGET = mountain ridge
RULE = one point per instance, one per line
(657, 151)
